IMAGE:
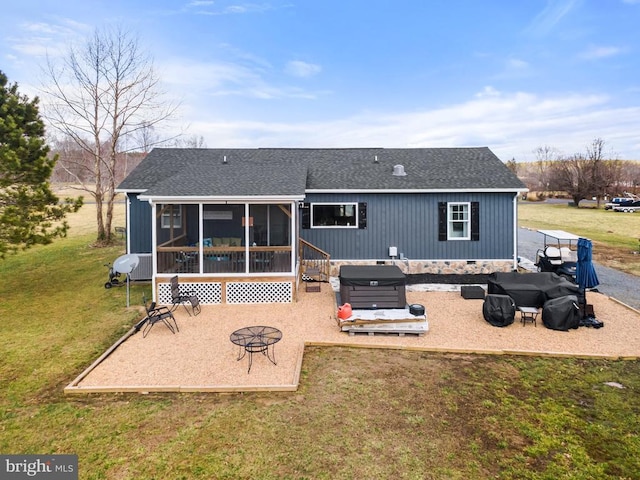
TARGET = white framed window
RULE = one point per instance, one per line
(171, 216)
(459, 221)
(334, 215)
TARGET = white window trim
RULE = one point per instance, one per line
(166, 218)
(451, 221)
(354, 204)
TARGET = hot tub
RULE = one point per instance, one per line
(373, 286)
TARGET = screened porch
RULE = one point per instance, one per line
(240, 239)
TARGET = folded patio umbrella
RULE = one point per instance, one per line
(586, 276)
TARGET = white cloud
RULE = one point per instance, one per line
(551, 15)
(597, 52)
(219, 79)
(517, 64)
(511, 124)
(210, 8)
(41, 38)
(298, 68)
(488, 91)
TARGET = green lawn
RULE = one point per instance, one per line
(358, 413)
(615, 235)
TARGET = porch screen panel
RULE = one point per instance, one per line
(176, 227)
(270, 238)
(223, 238)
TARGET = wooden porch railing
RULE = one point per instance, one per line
(313, 259)
(224, 259)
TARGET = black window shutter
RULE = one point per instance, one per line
(475, 221)
(442, 221)
(305, 213)
(362, 215)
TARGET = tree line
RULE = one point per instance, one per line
(585, 175)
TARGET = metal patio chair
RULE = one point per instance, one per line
(180, 297)
(157, 314)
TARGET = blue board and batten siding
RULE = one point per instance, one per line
(410, 223)
(140, 225)
(406, 221)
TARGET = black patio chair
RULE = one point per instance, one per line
(157, 314)
(180, 297)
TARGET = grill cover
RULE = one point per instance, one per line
(561, 313)
(499, 310)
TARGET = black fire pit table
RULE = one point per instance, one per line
(256, 339)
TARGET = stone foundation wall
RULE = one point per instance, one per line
(439, 267)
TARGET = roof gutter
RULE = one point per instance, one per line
(130, 190)
(222, 199)
(420, 190)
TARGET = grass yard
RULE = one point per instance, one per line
(615, 235)
(359, 414)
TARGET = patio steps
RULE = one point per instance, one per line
(312, 279)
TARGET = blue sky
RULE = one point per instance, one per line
(510, 75)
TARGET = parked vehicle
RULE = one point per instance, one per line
(626, 201)
(628, 207)
(558, 255)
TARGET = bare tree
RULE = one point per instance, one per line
(572, 175)
(600, 178)
(628, 178)
(146, 137)
(99, 96)
(586, 176)
(546, 156)
(193, 141)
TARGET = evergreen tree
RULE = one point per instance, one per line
(30, 213)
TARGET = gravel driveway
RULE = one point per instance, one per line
(613, 283)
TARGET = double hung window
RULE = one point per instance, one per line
(458, 221)
(171, 216)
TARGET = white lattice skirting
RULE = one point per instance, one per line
(259, 292)
(210, 293)
(207, 293)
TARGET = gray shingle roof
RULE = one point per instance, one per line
(291, 172)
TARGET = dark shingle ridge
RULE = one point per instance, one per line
(291, 171)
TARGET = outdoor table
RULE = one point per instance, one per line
(528, 314)
(256, 339)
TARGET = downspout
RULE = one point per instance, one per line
(127, 222)
(154, 250)
(515, 232)
(295, 235)
(200, 237)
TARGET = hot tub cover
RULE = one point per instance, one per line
(372, 275)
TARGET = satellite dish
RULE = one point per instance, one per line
(126, 263)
